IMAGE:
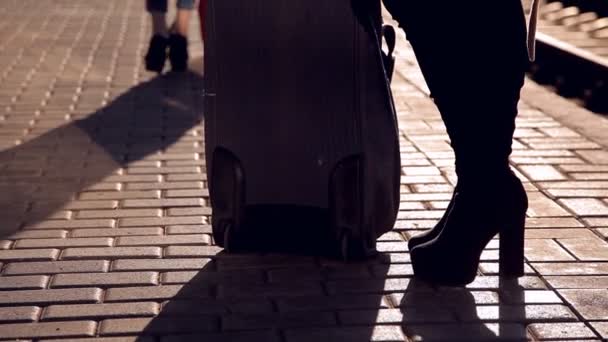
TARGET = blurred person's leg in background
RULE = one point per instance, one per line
(175, 39)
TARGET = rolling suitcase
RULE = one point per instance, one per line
(301, 136)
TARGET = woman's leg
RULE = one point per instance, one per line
(157, 50)
(178, 40)
(473, 57)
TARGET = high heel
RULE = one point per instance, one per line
(452, 258)
(511, 248)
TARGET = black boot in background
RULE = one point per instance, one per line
(157, 53)
(178, 52)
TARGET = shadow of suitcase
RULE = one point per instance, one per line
(301, 138)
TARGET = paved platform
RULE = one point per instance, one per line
(104, 209)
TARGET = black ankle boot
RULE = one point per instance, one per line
(478, 214)
(178, 52)
(433, 232)
(157, 53)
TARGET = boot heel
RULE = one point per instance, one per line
(511, 255)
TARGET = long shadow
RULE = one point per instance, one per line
(254, 297)
(41, 176)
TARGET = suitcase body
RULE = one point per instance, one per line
(300, 127)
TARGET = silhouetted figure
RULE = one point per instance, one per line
(174, 38)
(474, 61)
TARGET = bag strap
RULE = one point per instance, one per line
(532, 25)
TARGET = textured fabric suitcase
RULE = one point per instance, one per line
(301, 137)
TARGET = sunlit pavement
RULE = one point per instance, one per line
(104, 209)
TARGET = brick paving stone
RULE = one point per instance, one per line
(578, 268)
(236, 322)
(62, 243)
(186, 193)
(193, 307)
(597, 222)
(304, 274)
(117, 213)
(168, 240)
(104, 279)
(189, 229)
(574, 185)
(23, 282)
(352, 334)
(471, 332)
(495, 283)
(161, 221)
(587, 249)
(530, 297)
(101, 204)
(396, 316)
(244, 336)
(542, 206)
(19, 314)
(586, 206)
(542, 172)
(591, 304)
(191, 251)
(578, 282)
(595, 157)
(367, 286)
(518, 313)
(100, 311)
(164, 203)
(114, 232)
(561, 331)
(73, 224)
(39, 234)
(158, 325)
(492, 268)
(331, 303)
(144, 252)
(208, 277)
(601, 328)
(547, 160)
(159, 264)
(277, 290)
(55, 296)
(552, 222)
(120, 195)
(189, 211)
(155, 293)
(106, 339)
(545, 250)
(164, 186)
(5, 244)
(560, 233)
(48, 329)
(589, 176)
(54, 267)
(242, 262)
(29, 255)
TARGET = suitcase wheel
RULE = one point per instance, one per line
(225, 230)
(227, 189)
